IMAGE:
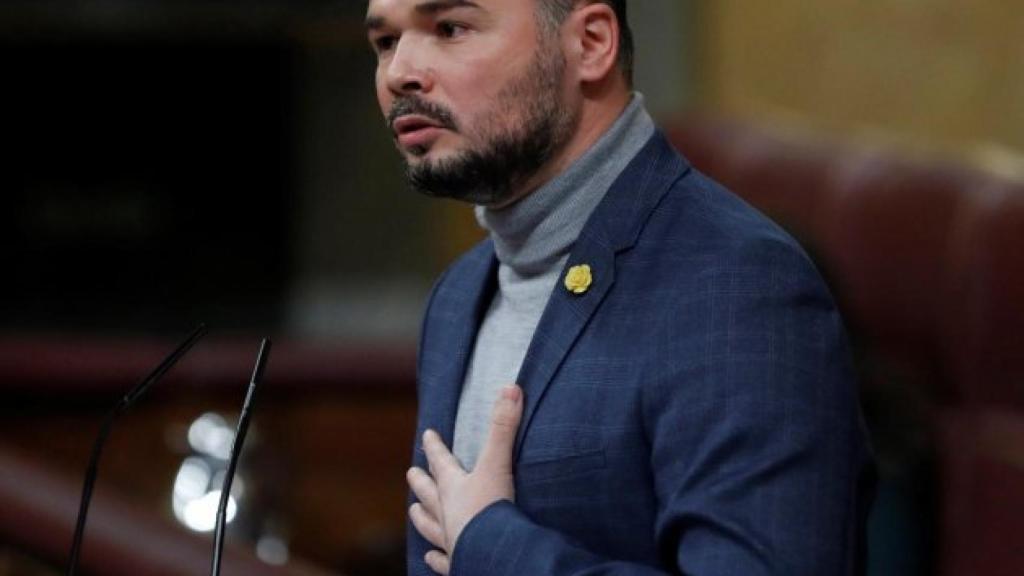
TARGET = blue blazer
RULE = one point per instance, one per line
(694, 412)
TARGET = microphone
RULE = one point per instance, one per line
(122, 406)
(236, 450)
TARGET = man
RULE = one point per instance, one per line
(685, 401)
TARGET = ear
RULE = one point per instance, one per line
(594, 33)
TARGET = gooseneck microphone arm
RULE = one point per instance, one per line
(123, 405)
(236, 450)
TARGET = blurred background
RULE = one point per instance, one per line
(171, 162)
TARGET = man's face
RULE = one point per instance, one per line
(473, 93)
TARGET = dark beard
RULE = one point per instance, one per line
(490, 175)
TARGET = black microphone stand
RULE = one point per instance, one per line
(236, 451)
(122, 406)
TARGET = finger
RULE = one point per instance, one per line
(427, 525)
(425, 489)
(441, 461)
(438, 562)
(496, 454)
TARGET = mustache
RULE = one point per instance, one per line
(406, 105)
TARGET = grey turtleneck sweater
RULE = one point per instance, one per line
(532, 240)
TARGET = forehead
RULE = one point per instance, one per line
(394, 8)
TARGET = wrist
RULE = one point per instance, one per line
(479, 540)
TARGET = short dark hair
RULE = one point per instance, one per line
(554, 13)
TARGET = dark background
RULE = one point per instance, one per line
(146, 183)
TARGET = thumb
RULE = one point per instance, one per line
(496, 456)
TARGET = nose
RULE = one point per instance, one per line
(406, 72)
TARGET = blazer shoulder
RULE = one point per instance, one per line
(461, 282)
(703, 218)
(467, 266)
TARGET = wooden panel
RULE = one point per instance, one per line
(938, 71)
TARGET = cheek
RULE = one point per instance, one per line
(384, 97)
(475, 98)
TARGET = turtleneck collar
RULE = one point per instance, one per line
(537, 232)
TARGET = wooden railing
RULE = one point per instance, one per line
(57, 388)
(39, 510)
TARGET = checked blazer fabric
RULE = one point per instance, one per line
(693, 412)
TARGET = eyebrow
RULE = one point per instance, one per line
(431, 8)
(435, 6)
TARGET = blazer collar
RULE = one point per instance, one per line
(614, 227)
(458, 307)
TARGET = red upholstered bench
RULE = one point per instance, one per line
(983, 503)
(926, 260)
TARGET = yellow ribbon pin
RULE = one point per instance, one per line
(579, 279)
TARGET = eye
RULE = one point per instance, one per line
(383, 44)
(447, 29)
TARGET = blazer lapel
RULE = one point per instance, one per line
(614, 227)
(457, 311)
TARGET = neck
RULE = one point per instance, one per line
(532, 235)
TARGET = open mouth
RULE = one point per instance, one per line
(416, 130)
(413, 123)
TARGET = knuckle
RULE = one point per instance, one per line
(505, 420)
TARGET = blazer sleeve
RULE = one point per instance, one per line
(757, 446)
